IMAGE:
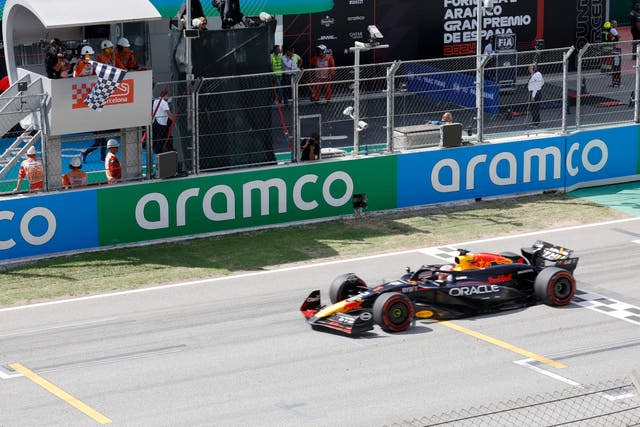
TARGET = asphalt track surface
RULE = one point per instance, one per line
(235, 351)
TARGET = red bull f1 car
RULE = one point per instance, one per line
(477, 283)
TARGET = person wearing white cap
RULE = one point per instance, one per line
(84, 66)
(125, 55)
(108, 56)
(111, 162)
(76, 177)
(324, 63)
(33, 170)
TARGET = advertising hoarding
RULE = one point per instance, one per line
(40, 225)
(47, 224)
(237, 201)
(127, 107)
(481, 171)
(524, 166)
(600, 155)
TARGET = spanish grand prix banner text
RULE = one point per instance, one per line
(419, 29)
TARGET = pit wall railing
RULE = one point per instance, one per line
(262, 119)
(42, 225)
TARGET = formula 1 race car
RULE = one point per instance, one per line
(477, 283)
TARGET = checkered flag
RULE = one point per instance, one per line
(109, 77)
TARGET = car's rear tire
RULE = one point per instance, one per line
(514, 257)
(393, 312)
(555, 286)
(345, 286)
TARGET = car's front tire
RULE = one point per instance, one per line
(393, 312)
(345, 286)
(555, 286)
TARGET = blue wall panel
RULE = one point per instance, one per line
(481, 171)
(601, 154)
(39, 225)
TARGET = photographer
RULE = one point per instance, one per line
(57, 63)
(310, 148)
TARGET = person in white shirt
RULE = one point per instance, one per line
(162, 119)
(289, 67)
(488, 48)
(536, 82)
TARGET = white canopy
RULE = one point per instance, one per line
(28, 21)
(74, 13)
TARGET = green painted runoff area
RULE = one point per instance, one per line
(623, 197)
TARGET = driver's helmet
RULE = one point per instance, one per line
(442, 272)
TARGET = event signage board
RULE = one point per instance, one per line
(485, 170)
(236, 201)
(600, 155)
(47, 224)
(419, 29)
(502, 169)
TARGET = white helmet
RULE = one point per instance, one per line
(122, 41)
(138, 41)
(86, 50)
(31, 151)
(112, 143)
(76, 162)
(322, 48)
(105, 44)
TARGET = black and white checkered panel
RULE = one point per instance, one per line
(109, 78)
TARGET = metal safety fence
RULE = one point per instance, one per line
(262, 119)
(613, 403)
(608, 80)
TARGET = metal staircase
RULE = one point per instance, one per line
(17, 149)
(15, 105)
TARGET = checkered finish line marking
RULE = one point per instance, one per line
(610, 307)
(445, 253)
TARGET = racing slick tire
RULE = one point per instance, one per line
(345, 286)
(555, 286)
(393, 312)
(514, 257)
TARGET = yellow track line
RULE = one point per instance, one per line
(505, 345)
(90, 412)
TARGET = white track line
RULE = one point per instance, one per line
(314, 265)
(526, 364)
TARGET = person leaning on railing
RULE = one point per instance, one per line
(84, 67)
(125, 56)
(76, 177)
(33, 170)
(447, 119)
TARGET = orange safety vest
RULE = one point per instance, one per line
(74, 178)
(33, 170)
(112, 168)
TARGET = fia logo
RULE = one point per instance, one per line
(505, 41)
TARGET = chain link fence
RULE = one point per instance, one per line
(607, 404)
(511, 74)
(607, 76)
(261, 119)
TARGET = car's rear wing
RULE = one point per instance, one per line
(544, 254)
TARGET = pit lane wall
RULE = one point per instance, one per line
(66, 222)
